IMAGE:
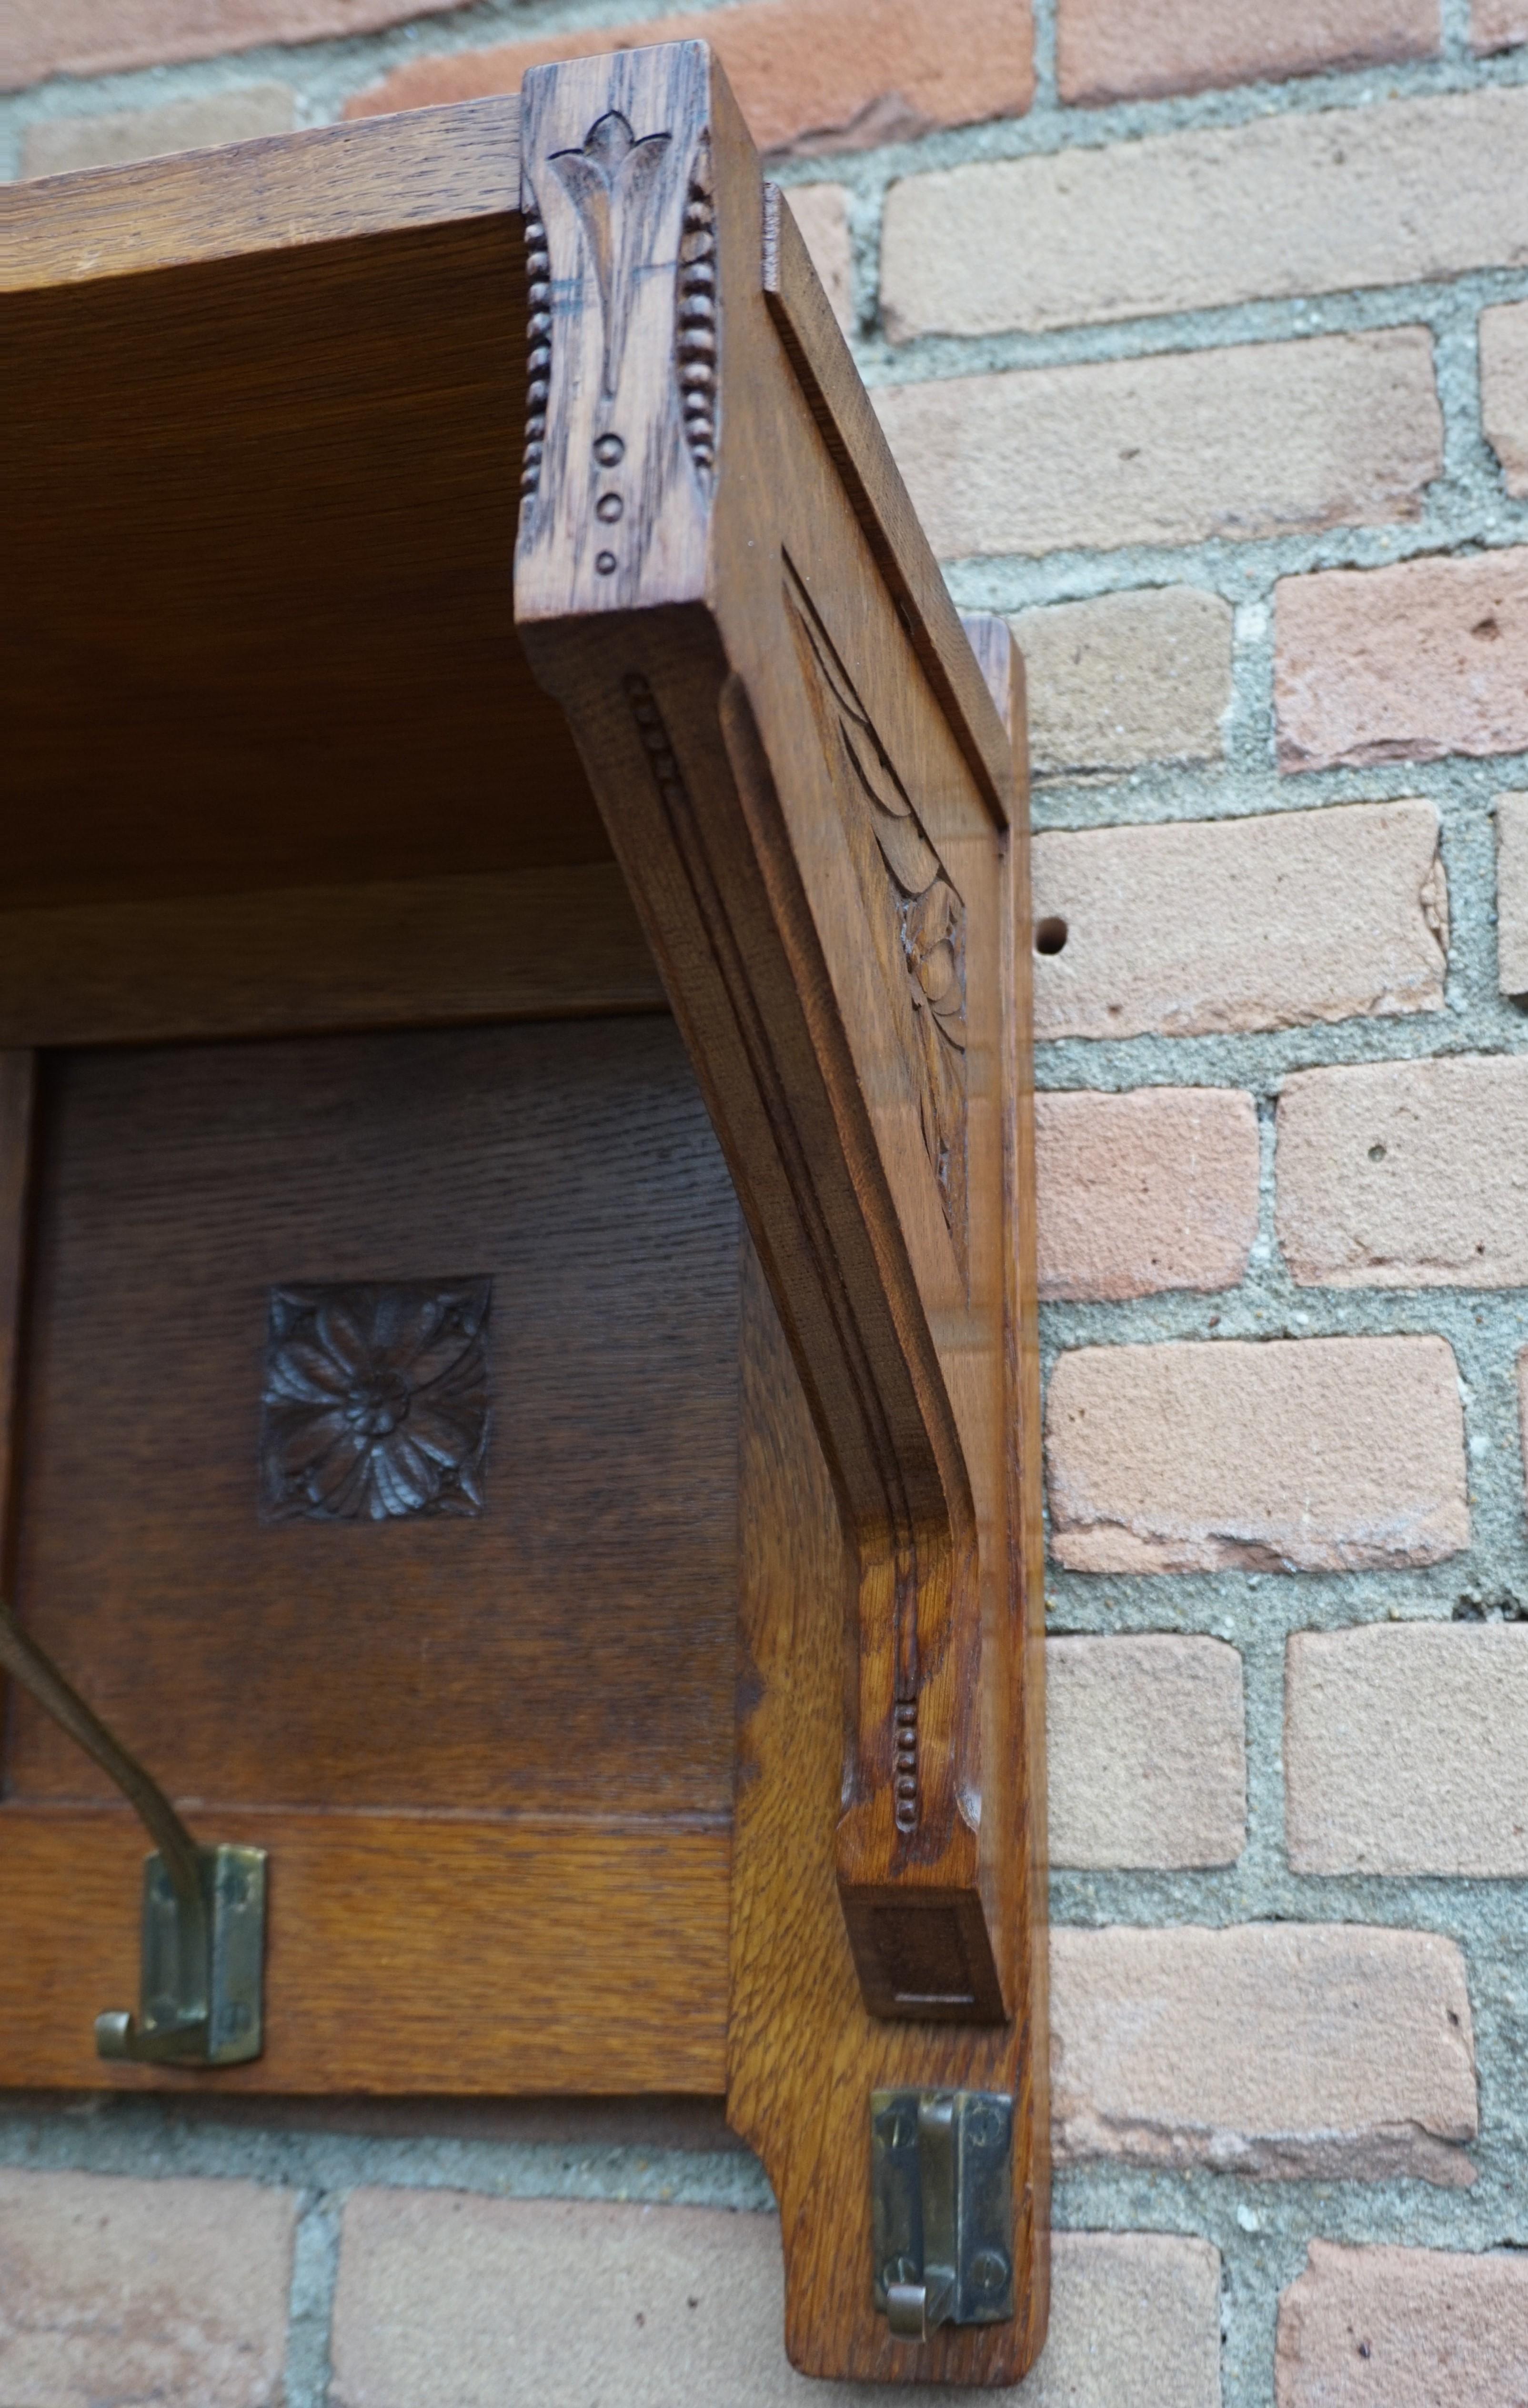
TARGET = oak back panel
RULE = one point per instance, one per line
(569, 1650)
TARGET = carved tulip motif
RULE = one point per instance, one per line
(614, 183)
(376, 1401)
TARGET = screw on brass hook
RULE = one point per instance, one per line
(942, 2207)
(203, 1909)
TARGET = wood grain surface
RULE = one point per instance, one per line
(331, 184)
(803, 2055)
(567, 1650)
(271, 730)
(820, 873)
(821, 358)
(533, 944)
(406, 1954)
(257, 624)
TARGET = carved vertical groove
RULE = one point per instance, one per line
(697, 339)
(539, 360)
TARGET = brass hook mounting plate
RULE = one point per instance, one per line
(942, 2208)
(200, 2000)
(203, 1909)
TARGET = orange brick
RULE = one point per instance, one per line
(1404, 664)
(85, 37)
(1408, 2328)
(1303, 1454)
(1130, 50)
(1150, 1190)
(1282, 2050)
(810, 75)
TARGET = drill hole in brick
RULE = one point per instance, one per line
(1049, 936)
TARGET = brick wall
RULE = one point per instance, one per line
(1201, 331)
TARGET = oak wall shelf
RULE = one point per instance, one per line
(517, 1350)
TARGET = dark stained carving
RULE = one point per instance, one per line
(375, 1400)
(919, 907)
(697, 336)
(615, 182)
(538, 348)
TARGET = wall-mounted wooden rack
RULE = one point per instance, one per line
(515, 1170)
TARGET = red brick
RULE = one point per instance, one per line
(1404, 664)
(1391, 2327)
(1499, 24)
(1512, 893)
(1130, 50)
(1406, 1174)
(448, 2300)
(62, 146)
(1296, 202)
(822, 213)
(810, 75)
(1504, 390)
(1303, 1454)
(1154, 1189)
(1146, 1750)
(1284, 2050)
(1296, 916)
(1405, 1749)
(1240, 440)
(115, 2292)
(83, 38)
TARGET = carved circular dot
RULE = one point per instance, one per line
(609, 507)
(1377, 1153)
(1050, 935)
(608, 449)
(605, 563)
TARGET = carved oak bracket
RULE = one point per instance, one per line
(809, 786)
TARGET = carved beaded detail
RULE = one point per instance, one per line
(655, 736)
(539, 333)
(905, 1774)
(697, 344)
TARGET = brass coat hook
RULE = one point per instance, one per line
(203, 1909)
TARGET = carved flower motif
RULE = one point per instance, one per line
(376, 1401)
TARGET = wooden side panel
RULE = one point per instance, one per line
(809, 787)
(439, 1953)
(819, 872)
(803, 2054)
